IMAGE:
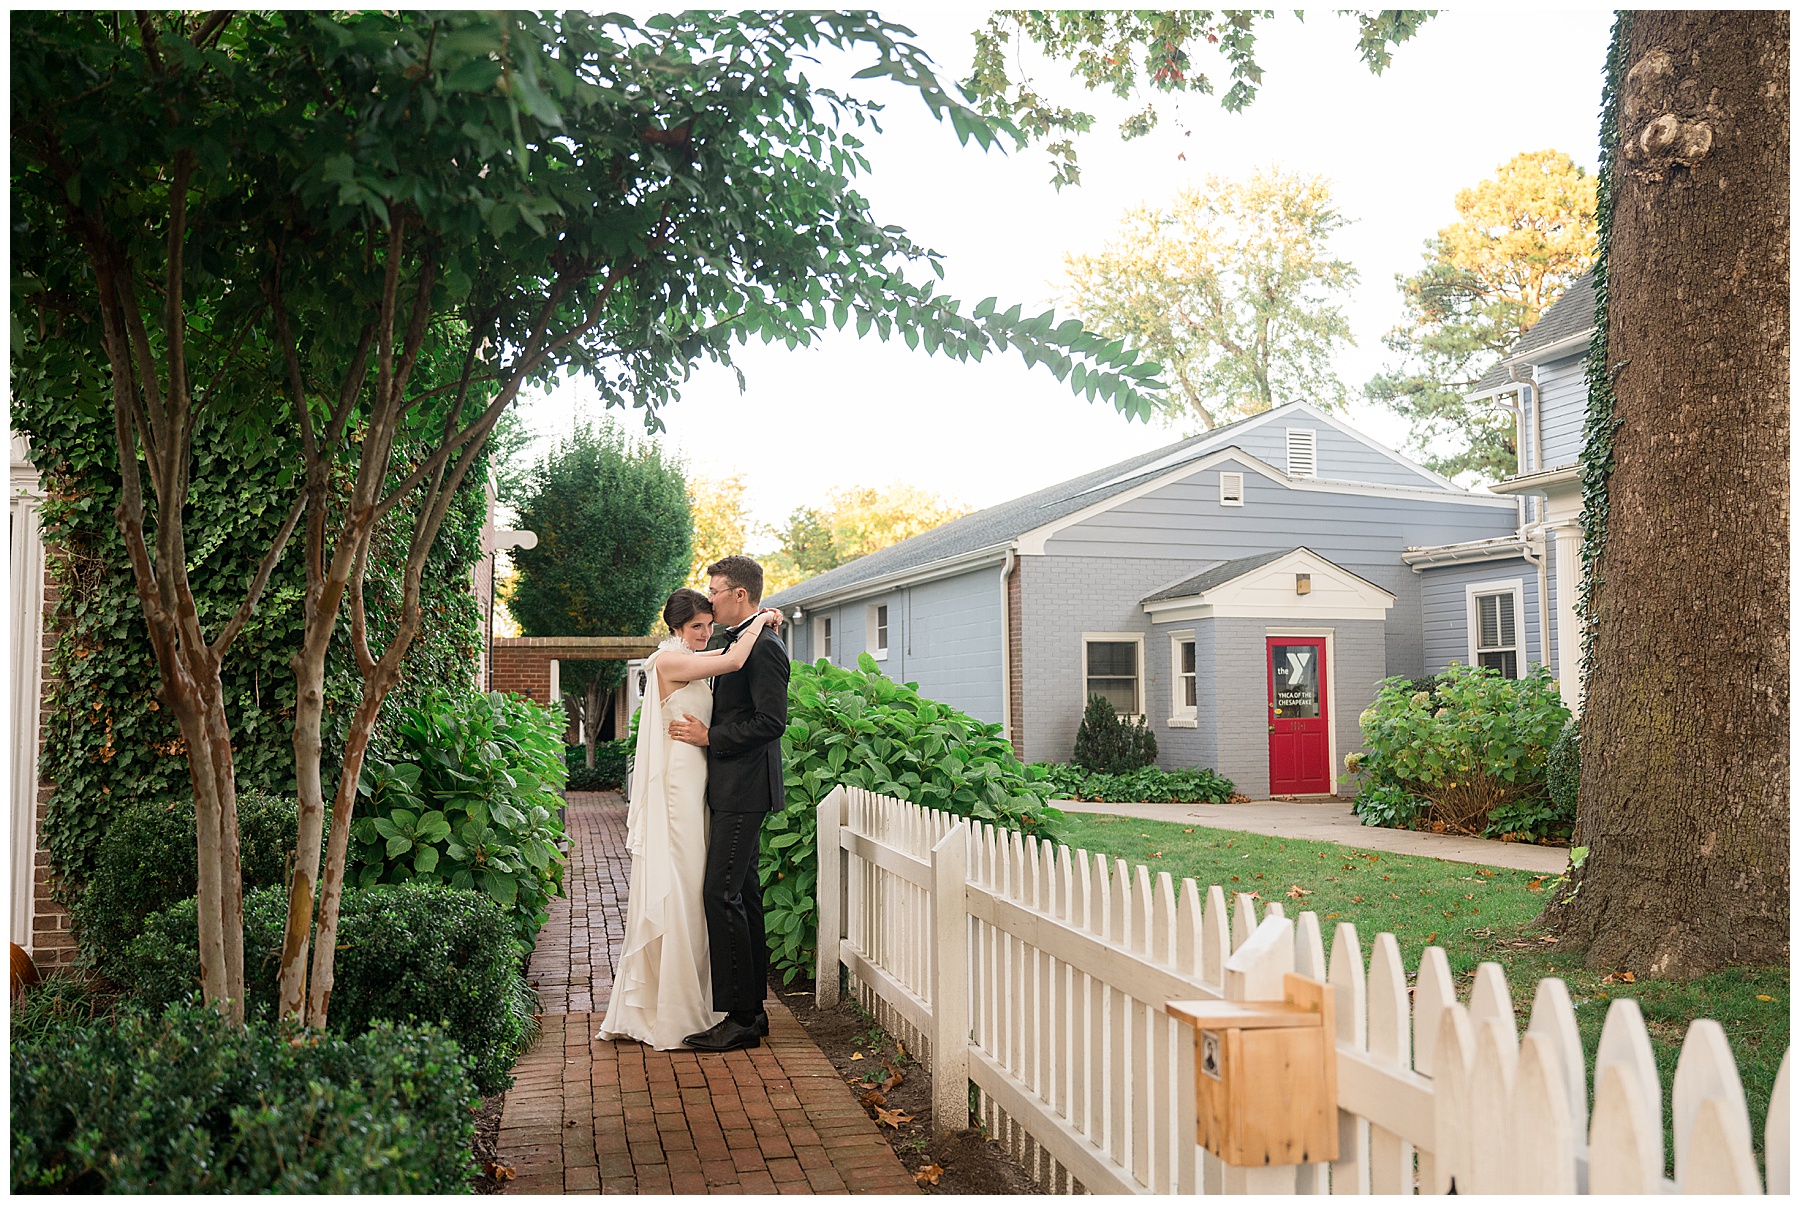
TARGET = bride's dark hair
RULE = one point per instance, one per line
(683, 605)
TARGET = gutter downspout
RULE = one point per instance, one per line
(1543, 570)
(1006, 570)
(1541, 561)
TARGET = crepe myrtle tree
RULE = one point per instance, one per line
(368, 231)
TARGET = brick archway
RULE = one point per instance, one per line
(521, 664)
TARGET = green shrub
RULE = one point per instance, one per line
(1107, 744)
(1148, 785)
(471, 800)
(415, 953)
(181, 1102)
(147, 861)
(860, 729)
(1562, 773)
(608, 771)
(1473, 746)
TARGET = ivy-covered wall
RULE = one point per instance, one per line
(107, 742)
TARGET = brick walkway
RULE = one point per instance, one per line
(592, 1116)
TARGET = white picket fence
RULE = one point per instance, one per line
(1039, 973)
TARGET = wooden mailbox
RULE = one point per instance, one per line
(1265, 1075)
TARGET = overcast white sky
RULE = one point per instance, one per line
(1474, 88)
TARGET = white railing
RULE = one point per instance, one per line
(1039, 973)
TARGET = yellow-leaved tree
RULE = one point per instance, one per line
(1232, 288)
(722, 523)
(1520, 238)
(850, 523)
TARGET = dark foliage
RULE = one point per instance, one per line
(414, 953)
(182, 1102)
(146, 863)
(608, 771)
(1107, 744)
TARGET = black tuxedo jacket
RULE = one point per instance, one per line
(750, 710)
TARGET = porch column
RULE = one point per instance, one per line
(26, 547)
(1568, 627)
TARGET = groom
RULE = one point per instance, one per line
(743, 783)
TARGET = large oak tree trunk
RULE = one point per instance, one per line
(1684, 784)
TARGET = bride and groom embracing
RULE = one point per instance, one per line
(695, 965)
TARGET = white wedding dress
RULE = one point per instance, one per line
(662, 987)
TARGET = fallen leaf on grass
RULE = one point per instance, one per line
(1297, 891)
(1620, 977)
(892, 1117)
(1767, 999)
(501, 1172)
(928, 1174)
(1535, 885)
(1187, 830)
(1356, 899)
(1548, 939)
(1430, 937)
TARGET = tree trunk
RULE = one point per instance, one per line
(1684, 743)
(590, 715)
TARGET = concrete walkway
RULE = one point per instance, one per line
(1331, 820)
(588, 1116)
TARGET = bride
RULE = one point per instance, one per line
(662, 986)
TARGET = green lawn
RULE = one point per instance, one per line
(1477, 914)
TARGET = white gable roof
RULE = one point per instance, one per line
(1268, 591)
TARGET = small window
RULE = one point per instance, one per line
(1112, 673)
(825, 637)
(1185, 704)
(875, 620)
(1496, 632)
(1302, 452)
(1231, 489)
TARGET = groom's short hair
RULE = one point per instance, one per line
(742, 572)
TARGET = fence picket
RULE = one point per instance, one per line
(1719, 1159)
(1453, 1065)
(1050, 1017)
(1624, 1145)
(1542, 1133)
(1215, 938)
(1777, 1136)
(1624, 1039)
(1491, 1152)
(1162, 1040)
(1080, 1052)
(1553, 1018)
(1706, 1072)
(1190, 960)
(1390, 1040)
(1309, 947)
(1141, 1091)
(1019, 973)
(1351, 1171)
(1118, 1065)
(1243, 920)
(830, 898)
(1434, 992)
(1490, 998)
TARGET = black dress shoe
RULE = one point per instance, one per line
(726, 1035)
(762, 1025)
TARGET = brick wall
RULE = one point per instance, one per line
(52, 928)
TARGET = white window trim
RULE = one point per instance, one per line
(822, 635)
(1087, 638)
(1472, 617)
(1180, 714)
(1231, 484)
(1309, 435)
(1331, 688)
(871, 629)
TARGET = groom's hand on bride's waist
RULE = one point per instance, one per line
(688, 730)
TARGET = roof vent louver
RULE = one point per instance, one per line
(1302, 452)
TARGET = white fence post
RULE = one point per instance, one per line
(830, 888)
(950, 984)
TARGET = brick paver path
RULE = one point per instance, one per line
(590, 1116)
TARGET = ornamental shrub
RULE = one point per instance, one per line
(146, 862)
(1475, 743)
(608, 771)
(857, 728)
(1148, 785)
(1107, 744)
(1552, 817)
(182, 1102)
(421, 952)
(1562, 773)
(470, 800)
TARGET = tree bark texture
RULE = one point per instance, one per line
(1684, 776)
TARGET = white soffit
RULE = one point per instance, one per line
(1268, 593)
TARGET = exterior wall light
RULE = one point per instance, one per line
(1302, 583)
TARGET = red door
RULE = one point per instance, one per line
(1299, 726)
